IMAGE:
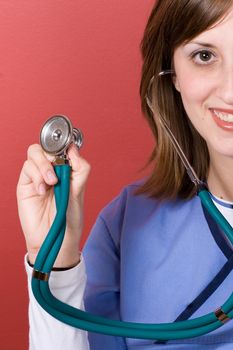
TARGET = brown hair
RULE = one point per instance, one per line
(170, 24)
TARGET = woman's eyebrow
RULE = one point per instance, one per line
(201, 44)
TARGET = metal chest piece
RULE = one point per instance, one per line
(57, 134)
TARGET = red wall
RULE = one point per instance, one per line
(81, 59)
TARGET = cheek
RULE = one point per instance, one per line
(194, 90)
(192, 83)
(195, 93)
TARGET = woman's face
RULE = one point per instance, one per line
(204, 78)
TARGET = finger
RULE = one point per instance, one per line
(41, 159)
(30, 174)
(78, 163)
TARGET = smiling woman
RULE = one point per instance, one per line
(208, 61)
(204, 79)
(154, 255)
(196, 39)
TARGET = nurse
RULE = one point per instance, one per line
(154, 254)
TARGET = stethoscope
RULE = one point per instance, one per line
(55, 137)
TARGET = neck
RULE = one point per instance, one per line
(220, 177)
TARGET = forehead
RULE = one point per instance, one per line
(222, 28)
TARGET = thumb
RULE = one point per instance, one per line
(80, 169)
(74, 157)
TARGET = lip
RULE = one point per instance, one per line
(230, 111)
(227, 126)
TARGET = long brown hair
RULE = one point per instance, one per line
(170, 24)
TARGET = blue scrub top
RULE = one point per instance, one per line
(147, 261)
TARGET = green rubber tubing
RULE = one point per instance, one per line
(92, 323)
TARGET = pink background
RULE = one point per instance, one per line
(78, 58)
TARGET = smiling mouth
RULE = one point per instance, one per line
(226, 117)
(223, 120)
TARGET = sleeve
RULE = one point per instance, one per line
(102, 293)
(46, 332)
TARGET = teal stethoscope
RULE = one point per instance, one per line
(56, 136)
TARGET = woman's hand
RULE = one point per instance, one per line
(36, 202)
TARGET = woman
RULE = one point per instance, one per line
(154, 255)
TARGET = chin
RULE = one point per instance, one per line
(223, 150)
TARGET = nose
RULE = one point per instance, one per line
(225, 86)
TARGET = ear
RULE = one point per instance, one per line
(176, 82)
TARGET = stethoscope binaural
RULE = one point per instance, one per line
(55, 137)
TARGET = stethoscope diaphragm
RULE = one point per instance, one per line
(57, 134)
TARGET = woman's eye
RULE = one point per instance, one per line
(202, 57)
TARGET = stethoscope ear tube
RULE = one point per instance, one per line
(86, 321)
(216, 215)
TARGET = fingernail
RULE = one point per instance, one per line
(51, 176)
(42, 189)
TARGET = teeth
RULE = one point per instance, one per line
(224, 116)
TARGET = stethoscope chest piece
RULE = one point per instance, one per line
(57, 134)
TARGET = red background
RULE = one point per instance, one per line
(78, 58)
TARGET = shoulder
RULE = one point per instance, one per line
(125, 199)
(129, 215)
(127, 203)
(128, 210)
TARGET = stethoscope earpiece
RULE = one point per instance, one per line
(57, 134)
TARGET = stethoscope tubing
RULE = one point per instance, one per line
(45, 255)
(216, 214)
(86, 321)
